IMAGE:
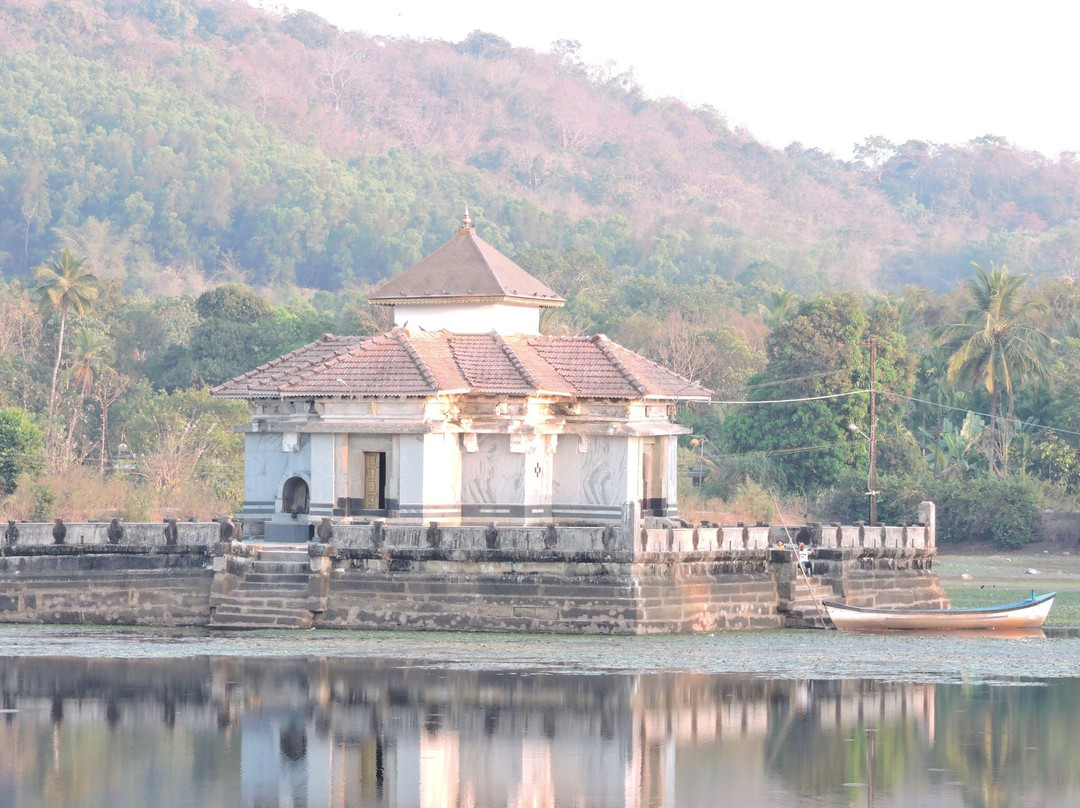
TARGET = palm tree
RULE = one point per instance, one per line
(994, 347)
(90, 370)
(781, 305)
(63, 285)
(90, 358)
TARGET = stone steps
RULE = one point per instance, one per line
(282, 557)
(273, 586)
(231, 601)
(802, 608)
(277, 578)
(270, 590)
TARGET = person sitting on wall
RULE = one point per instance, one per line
(804, 556)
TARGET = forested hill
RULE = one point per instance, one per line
(180, 142)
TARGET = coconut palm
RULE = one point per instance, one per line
(64, 285)
(995, 348)
(781, 305)
(91, 353)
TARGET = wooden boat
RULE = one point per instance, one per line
(1028, 613)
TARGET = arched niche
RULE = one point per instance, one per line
(295, 496)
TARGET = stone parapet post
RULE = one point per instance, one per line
(928, 517)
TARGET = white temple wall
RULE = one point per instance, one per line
(464, 318)
(538, 464)
(633, 469)
(411, 471)
(670, 473)
(590, 477)
(270, 458)
(493, 479)
(441, 478)
(320, 467)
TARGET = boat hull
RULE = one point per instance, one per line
(1029, 613)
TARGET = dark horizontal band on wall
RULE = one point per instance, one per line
(354, 506)
(606, 512)
(507, 511)
(659, 506)
(370, 513)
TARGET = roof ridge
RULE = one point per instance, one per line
(403, 339)
(473, 240)
(606, 348)
(516, 360)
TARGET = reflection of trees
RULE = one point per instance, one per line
(818, 736)
(1005, 745)
(1010, 745)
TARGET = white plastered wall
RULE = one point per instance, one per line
(320, 451)
(271, 458)
(492, 475)
(469, 318)
(442, 477)
(591, 473)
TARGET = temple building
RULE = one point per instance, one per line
(463, 413)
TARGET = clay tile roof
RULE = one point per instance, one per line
(653, 379)
(403, 363)
(266, 381)
(487, 365)
(382, 365)
(466, 267)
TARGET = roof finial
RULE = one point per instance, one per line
(466, 223)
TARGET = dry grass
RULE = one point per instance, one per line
(79, 495)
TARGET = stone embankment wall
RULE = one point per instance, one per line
(150, 575)
(565, 579)
(538, 579)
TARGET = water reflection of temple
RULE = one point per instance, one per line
(336, 732)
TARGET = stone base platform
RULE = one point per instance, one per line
(237, 585)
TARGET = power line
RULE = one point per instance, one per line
(973, 412)
(892, 395)
(772, 452)
(794, 400)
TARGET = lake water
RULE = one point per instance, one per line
(110, 718)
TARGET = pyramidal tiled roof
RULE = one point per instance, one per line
(423, 363)
(466, 268)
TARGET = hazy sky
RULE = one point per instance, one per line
(826, 73)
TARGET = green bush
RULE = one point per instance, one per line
(22, 450)
(44, 502)
(898, 498)
(1005, 512)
